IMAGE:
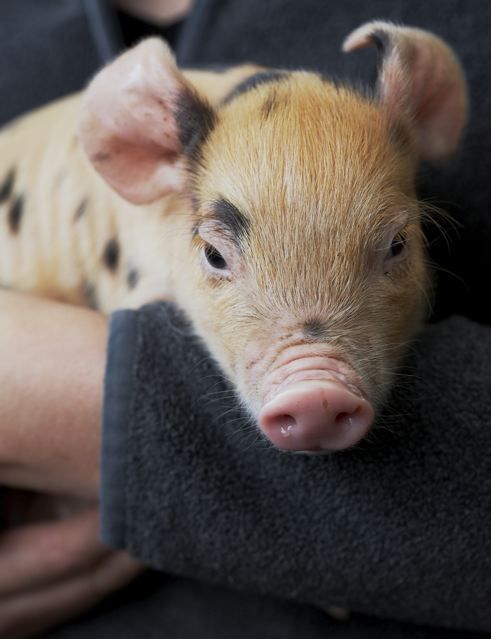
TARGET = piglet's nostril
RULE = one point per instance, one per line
(345, 419)
(341, 417)
(313, 416)
(286, 424)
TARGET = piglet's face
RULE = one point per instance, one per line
(309, 272)
(302, 264)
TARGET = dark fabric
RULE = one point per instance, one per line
(105, 29)
(46, 52)
(398, 527)
(115, 437)
(50, 49)
(134, 29)
(159, 607)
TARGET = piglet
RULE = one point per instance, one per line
(277, 209)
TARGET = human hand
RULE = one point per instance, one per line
(55, 569)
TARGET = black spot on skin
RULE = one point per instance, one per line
(315, 329)
(90, 294)
(132, 278)
(100, 157)
(269, 105)
(14, 217)
(195, 119)
(7, 186)
(81, 208)
(234, 222)
(110, 256)
(253, 81)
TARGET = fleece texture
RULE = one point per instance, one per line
(45, 53)
(161, 607)
(398, 527)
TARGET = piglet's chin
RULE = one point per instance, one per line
(316, 416)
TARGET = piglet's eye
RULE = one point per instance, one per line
(214, 258)
(397, 245)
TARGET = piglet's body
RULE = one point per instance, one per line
(277, 209)
(64, 234)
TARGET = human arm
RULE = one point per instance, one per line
(51, 371)
(52, 563)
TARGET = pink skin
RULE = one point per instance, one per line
(314, 403)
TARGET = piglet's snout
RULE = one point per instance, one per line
(316, 416)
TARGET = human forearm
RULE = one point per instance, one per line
(51, 372)
(52, 563)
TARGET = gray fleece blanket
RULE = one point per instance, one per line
(398, 527)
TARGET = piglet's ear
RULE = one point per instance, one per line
(140, 120)
(421, 79)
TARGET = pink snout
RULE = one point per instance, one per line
(316, 416)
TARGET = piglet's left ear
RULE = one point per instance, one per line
(141, 120)
(420, 80)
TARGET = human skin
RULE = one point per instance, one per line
(51, 373)
(52, 564)
(157, 11)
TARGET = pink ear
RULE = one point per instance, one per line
(139, 119)
(420, 79)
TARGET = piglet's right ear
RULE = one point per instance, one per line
(139, 120)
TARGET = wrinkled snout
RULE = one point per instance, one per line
(319, 415)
